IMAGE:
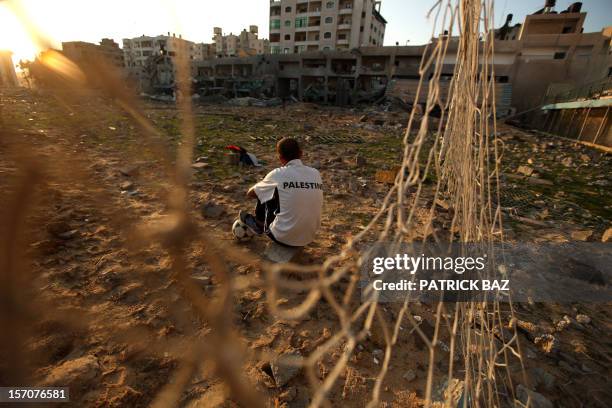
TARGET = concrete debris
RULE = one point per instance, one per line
(583, 319)
(282, 371)
(127, 186)
(200, 165)
(562, 324)
(249, 101)
(581, 235)
(547, 343)
(525, 170)
(607, 235)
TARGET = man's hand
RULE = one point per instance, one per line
(251, 193)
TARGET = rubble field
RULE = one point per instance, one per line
(100, 177)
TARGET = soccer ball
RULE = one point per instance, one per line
(241, 232)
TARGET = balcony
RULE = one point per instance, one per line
(344, 26)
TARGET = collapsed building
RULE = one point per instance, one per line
(546, 54)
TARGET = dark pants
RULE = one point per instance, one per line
(266, 212)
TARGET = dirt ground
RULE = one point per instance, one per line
(112, 308)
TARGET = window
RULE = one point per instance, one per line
(286, 50)
(274, 24)
(327, 35)
(275, 49)
(567, 29)
(287, 9)
(559, 55)
(288, 37)
(363, 14)
(326, 48)
(331, 4)
(361, 29)
(287, 23)
(329, 20)
(342, 36)
(301, 22)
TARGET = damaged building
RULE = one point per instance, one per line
(546, 54)
(245, 44)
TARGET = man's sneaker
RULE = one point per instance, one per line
(250, 221)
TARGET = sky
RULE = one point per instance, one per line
(92, 20)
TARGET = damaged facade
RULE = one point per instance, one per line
(547, 52)
(247, 43)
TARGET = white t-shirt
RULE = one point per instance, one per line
(300, 193)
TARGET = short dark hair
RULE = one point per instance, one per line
(289, 148)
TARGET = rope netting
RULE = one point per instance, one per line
(461, 156)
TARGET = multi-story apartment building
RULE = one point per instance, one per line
(137, 50)
(311, 25)
(247, 43)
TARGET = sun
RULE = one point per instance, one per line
(14, 37)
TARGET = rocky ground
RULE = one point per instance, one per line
(113, 307)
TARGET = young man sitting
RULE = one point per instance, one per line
(289, 199)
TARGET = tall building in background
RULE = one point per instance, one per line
(245, 44)
(311, 25)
